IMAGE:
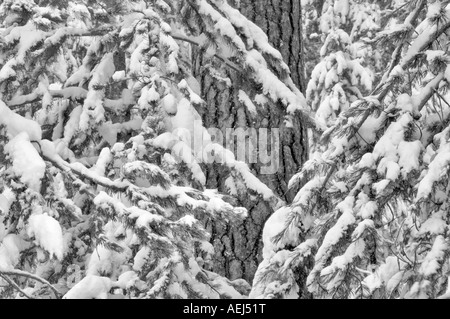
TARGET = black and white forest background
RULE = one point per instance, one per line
(224, 149)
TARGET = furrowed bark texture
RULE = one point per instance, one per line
(281, 21)
(239, 247)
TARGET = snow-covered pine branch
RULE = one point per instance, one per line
(101, 193)
(376, 200)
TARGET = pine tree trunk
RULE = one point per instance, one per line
(239, 247)
(281, 20)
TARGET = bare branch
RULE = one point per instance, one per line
(21, 273)
(232, 65)
(12, 283)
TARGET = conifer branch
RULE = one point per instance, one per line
(72, 93)
(232, 65)
(387, 88)
(429, 90)
(84, 173)
(410, 56)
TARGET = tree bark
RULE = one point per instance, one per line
(239, 247)
(281, 20)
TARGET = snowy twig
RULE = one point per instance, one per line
(429, 90)
(443, 99)
(397, 52)
(366, 272)
(392, 12)
(12, 283)
(232, 65)
(23, 99)
(67, 93)
(89, 33)
(22, 273)
(83, 172)
(411, 55)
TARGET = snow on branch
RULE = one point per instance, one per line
(181, 195)
(229, 63)
(72, 93)
(21, 273)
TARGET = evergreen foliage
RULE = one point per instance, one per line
(372, 220)
(103, 152)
